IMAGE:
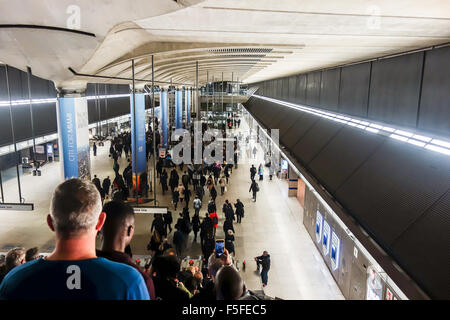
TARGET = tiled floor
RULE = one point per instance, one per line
(273, 223)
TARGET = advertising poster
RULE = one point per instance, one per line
(188, 108)
(68, 137)
(138, 137)
(335, 249)
(164, 111)
(82, 140)
(178, 109)
(326, 238)
(319, 220)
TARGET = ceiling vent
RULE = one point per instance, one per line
(241, 50)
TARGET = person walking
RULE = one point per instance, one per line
(215, 221)
(271, 172)
(229, 242)
(211, 206)
(222, 184)
(264, 262)
(175, 197)
(254, 152)
(195, 225)
(197, 204)
(226, 171)
(168, 220)
(163, 181)
(228, 225)
(239, 206)
(200, 192)
(202, 180)
(187, 197)
(260, 172)
(254, 188)
(213, 193)
(94, 148)
(106, 184)
(181, 191)
(159, 167)
(173, 181)
(178, 241)
(252, 172)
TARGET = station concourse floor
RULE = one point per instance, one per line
(273, 223)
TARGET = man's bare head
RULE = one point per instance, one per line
(75, 208)
(229, 284)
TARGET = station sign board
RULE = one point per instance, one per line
(150, 210)
(17, 206)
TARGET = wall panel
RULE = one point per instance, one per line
(435, 101)
(395, 88)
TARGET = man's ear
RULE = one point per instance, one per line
(50, 222)
(101, 221)
(130, 231)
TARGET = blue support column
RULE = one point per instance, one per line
(73, 132)
(164, 111)
(178, 109)
(138, 137)
(188, 108)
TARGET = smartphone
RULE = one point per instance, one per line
(220, 247)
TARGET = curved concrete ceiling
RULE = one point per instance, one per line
(249, 40)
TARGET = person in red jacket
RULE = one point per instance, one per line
(215, 220)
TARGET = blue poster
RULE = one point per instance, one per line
(163, 103)
(139, 108)
(178, 109)
(188, 108)
(68, 136)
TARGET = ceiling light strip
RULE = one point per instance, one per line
(436, 145)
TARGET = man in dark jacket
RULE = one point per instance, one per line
(227, 209)
(118, 231)
(206, 230)
(239, 210)
(178, 240)
(211, 206)
(165, 280)
(168, 220)
(159, 225)
(106, 184)
(228, 225)
(252, 172)
(254, 188)
(263, 261)
(185, 180)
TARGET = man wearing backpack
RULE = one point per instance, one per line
(254, 188)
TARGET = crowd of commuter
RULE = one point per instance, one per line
(82, 210)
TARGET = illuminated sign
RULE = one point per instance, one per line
(326, 238)
(319, 221)
(335, 250)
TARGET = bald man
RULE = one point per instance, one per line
(229, 284)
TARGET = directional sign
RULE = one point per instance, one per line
(17, 206)
(150, 210)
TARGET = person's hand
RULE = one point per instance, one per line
(226, 258)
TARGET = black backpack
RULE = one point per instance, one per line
(215, 220)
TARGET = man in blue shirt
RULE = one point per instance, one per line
(72, 270)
